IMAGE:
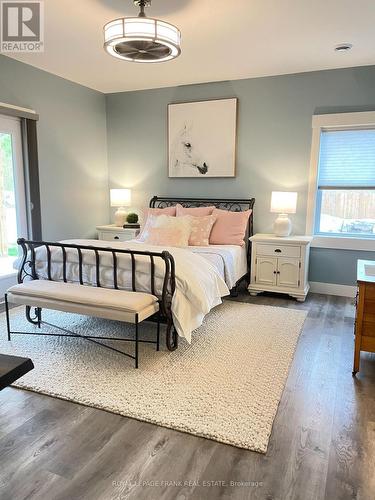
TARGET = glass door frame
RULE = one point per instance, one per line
(13, 126)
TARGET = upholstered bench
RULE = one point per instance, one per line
(120, 305)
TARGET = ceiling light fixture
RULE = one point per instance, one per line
(142, 39)
(343, 47)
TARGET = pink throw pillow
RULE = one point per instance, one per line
(194, 211)
(156, 212)
(229, 228)
(161, 211)
(201, 228)
(173, 231)
(164, 236)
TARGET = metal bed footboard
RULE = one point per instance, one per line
(28, 271)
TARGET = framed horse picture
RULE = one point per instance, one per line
(202, 138)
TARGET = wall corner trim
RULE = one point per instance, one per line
(333, 289)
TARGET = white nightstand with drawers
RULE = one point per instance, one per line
(116, 233)
(280, 265)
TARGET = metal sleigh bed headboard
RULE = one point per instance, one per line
(233, 205)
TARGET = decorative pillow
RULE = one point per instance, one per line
(155, 212)
(162, 211)
(173, 231)
(229, 228)
(162, 236)
(194, 211)
(201, 228)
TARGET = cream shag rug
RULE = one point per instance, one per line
(225, 386)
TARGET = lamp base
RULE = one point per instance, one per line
(120, 216)
(282, 225)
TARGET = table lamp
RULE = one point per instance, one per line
(283, 203)
(120, 198)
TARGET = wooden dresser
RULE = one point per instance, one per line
(365, 314)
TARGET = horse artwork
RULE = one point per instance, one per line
(202, 138)
(185, 157)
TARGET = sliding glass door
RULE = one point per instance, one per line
(13, 218)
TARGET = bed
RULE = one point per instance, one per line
(198, 277)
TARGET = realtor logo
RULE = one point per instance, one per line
(22, 26)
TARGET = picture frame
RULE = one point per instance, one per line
(202, 138)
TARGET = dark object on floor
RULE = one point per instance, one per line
(12, 368)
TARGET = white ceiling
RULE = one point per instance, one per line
(221, 40)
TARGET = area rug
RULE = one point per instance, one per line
(225, 386)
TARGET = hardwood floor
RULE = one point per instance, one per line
(322, 445)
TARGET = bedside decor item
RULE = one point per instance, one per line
(365, 318)
(132, 218)
(112, 232)
(120, 198)
(142, 39)
(202, 138)
(283, 203)
(280, 266)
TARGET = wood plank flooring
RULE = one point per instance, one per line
(322, 445)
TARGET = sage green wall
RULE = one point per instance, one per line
(273, 152)
(72, 147)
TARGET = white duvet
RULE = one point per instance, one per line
(199, 286)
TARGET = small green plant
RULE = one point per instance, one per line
(132, 218)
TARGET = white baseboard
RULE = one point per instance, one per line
(333, 289)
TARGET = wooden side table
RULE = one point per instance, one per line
(365, 311)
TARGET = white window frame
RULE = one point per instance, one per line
(320, 123)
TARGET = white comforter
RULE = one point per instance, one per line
(199, 286)
(229, 260)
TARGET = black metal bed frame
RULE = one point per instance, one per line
(27, 271)
(233, 205)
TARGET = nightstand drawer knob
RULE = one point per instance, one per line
(278, 250)
(116, 238)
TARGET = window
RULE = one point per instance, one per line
(341, 207)
(346, 183)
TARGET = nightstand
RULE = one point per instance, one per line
(280, 265)
(112, 232)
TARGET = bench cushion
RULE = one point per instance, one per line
(120, 300)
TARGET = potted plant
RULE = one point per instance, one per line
(132, 218)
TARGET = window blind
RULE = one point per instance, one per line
(347, 159)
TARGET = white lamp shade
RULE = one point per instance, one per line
(283, 202)
(120, 197)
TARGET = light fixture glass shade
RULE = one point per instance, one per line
(120, 197)
(142, 39)
(283, 202)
